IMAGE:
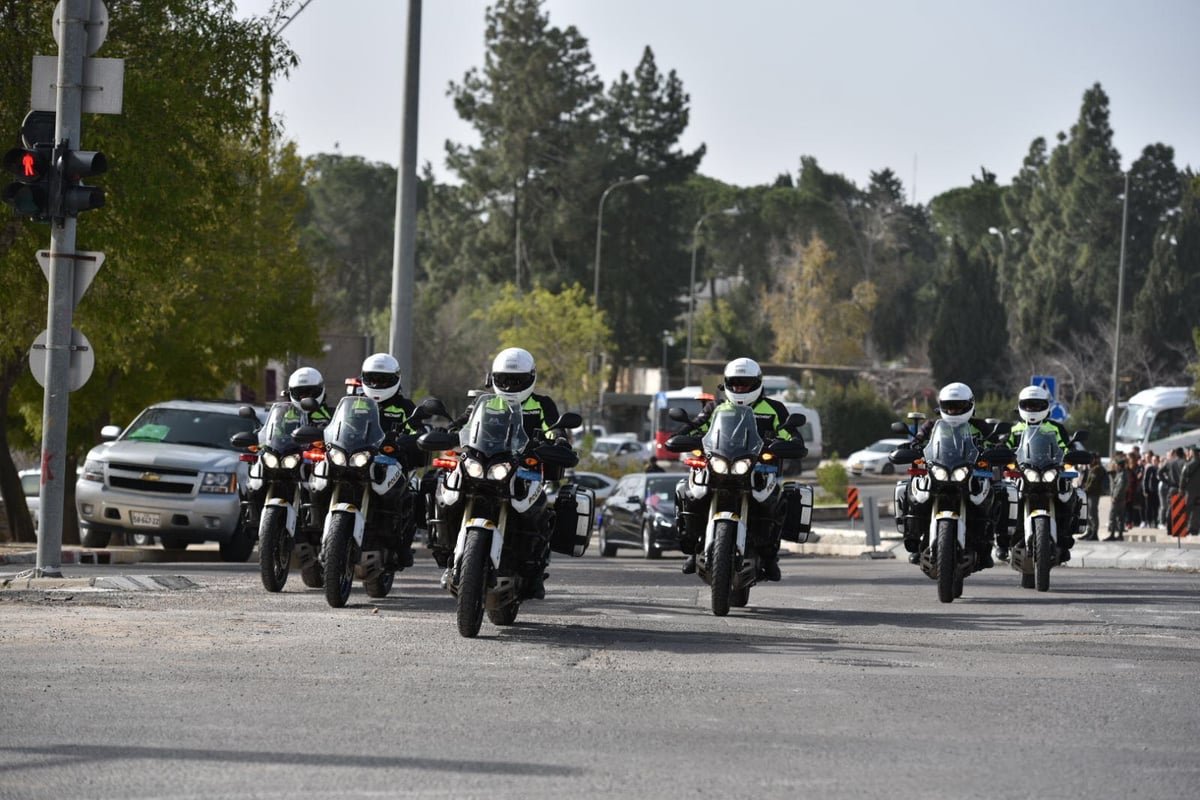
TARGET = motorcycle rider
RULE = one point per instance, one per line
(306, 383)
(1033, 404)
(380, 381)
(956, 405)
(742, 385)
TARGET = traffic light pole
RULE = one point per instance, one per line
(68, 110)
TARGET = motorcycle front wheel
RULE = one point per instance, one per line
(472, 582)
(274, 549)
(720, 568)
(946, 545)
(339, 560)
(1043, 552)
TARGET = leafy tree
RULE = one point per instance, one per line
(967, 341)
(852, 415)
(203, 279)
(558, 329)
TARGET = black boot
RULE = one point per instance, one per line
(537, 585)
(1002, 552)
(689, 565)
(914, 558)
(770, 568)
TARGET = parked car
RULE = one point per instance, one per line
(620, 449)
(640, 513)
(600, 484)
(31, 487)
(172, 474)
(874, 458)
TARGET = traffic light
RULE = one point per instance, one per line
(74, 166)
(31, 195)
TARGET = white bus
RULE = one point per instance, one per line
(1159, 419)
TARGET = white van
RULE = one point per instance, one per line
(811, 431)
(1154, 420)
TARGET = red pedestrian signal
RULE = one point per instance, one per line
(30, 194)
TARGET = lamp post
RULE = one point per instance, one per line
(667, 340)
(687, 364)
(1112, 425)
(636, 179)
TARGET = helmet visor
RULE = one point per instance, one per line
(512, 381)
(1033, 404)
(956, 408)
(380, 380)
(304, 392)
(743, 384)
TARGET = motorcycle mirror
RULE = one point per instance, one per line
(795, 421)
(568, 420)
(243, 440)
(247, 412)
(434, 407)
(307, 434)
(900, 427)
(678, 414)
(1079, 437)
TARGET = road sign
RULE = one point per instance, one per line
(87, 264)
(103, 85)
(1047, 382)
(83, 360)
(96, 26)
(1058, 412)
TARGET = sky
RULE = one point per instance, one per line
(934, 90)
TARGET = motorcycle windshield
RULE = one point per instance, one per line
(1038, 448)
(732, 431)
(354, 425)
(494, 427)
(276, 433)
(951, 444)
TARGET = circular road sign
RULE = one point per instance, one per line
(97, 25)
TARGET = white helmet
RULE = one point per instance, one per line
(513, 374)
(1034, 404)
(305, 382)
(956, 402)
(380, 377)
(743, 381)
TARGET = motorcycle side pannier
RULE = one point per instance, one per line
(573, 515)
(797, 516)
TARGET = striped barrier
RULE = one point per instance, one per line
(853, 510)
(1179, 517)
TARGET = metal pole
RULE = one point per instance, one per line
(1112, 428)
(687, 362)
(400, 342)
(61, 305)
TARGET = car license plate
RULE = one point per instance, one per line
(143, 519)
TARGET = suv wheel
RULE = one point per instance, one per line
(94, 537)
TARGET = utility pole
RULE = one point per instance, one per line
(404, 252)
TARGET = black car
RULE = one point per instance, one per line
(640, 512)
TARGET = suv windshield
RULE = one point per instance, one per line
(183, 426)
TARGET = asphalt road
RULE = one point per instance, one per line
(848, 679)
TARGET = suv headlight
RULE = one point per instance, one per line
(218, 482)
(93, 471)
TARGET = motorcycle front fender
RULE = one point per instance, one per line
(1033, 514)
(345, 508)
(959, 518)
(275, 501)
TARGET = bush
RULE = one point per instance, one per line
(852, 416)
(833, 480)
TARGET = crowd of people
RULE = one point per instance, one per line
(1141, 486)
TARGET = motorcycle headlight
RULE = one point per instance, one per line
(473, 467)
(338, 456)
(1050, 475)
(960, 474)
(292, 461)
(742, 466)
(500, 471)
(269, 459)
(361, 458)
(1032, 475)
(718, 465)
(939, 472)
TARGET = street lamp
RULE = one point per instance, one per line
(667, 340)
(687, 364)
(596, 279)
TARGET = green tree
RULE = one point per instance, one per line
(203, 279)
(852, 415)
(967, 341)
(557, 328)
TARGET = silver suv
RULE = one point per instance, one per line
(172, 474)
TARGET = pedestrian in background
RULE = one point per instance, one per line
(1135, 501)
(1189, 484)
(1150, 491)
(1168, 482)
(1093, 487)
(1118, 480)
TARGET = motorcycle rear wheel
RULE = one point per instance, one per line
(472, 582)
(946, 546)
(504, 616)
(738, 598)
(313, 575)
(720, 569)
(1043, 553)
(339, 560)
(380, 585)
(274, 549)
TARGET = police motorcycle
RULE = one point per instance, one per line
(487, 480)
(949, 500)
(364, 537)
(733, 466)
(278, 474)
(1041, 501)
